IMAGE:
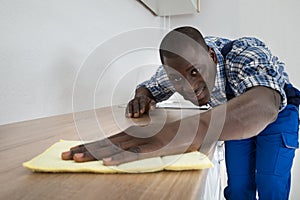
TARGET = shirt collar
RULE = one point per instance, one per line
(218, 95)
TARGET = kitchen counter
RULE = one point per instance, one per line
(22, 141)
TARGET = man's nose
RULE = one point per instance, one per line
(193, 79)
(187, 86)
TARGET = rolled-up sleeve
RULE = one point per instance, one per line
(159, 85)
(255, 66)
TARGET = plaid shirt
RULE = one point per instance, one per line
(248, 64)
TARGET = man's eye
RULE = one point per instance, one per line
(194, 72)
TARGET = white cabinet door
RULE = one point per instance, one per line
(172, 7)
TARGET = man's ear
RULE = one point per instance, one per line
(213, 54)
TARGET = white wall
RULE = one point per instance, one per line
(44, 43)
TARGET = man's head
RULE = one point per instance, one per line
(190, 64)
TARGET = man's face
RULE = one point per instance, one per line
(194, 76)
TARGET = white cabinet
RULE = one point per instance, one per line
(172, 7)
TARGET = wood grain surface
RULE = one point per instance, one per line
(22, 141)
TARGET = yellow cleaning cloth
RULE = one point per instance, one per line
(50, 161)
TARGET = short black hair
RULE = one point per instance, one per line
(179, 38)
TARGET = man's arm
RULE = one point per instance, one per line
(245, 115)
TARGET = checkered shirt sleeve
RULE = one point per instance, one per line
(159, 85)
(250, 63)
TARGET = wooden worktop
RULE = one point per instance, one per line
(20, 142)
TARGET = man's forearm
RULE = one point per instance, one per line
(244, 116)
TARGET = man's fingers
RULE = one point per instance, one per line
(108, 151)
(142, 106)
(83, 157)
(68, 155)
(113, 149)
(132, 154)
(129, 112)
(152, 105)
(94, 151)
(133, 108)
(146, 104)
(75, 147)
(94, 146)
(119, 158)
(102, 143)
(138, 106)
(91, 154)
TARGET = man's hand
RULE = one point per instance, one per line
(124, 147)
(142, 103)
(136, 142)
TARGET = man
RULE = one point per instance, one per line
(260, 125)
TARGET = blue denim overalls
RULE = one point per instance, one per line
(263, 163)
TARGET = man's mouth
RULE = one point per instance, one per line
(199, 92)
(199, 95)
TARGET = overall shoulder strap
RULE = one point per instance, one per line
(292, 94)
